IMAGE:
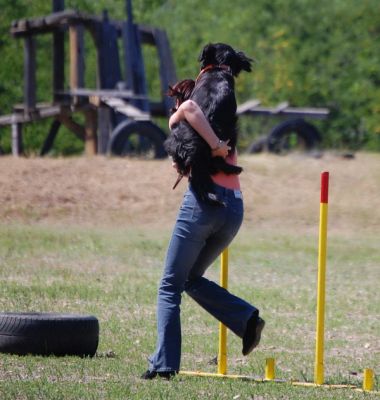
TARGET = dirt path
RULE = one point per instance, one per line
(278, 191)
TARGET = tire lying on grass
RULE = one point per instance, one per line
(49, 334)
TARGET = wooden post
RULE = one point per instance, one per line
(77, 65)
(29, 73)
(167, 68)
(90, 140)
(105, 127)
(16, 139)
(58, 55)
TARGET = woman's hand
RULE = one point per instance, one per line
(222, 149)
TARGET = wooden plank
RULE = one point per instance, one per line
(58, 5)
(108, 55)
(58, 55)
(90, 143)
(48, 143)
(167, 71)
(127, 109)
(29, 73)
(104, 128)
(281, 107)
(16, 139)
(77, 63)
(32, 26)
(247, 106)
(124, 94)
(69, 123)
(58, 64)
(134, 63)
(316, 113)
(38, 113)
(67, 16)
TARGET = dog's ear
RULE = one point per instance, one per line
(207, 55)
(241, 63)
(245, 62)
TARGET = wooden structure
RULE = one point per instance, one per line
(115, 98)
(253, 107)
(119, 106)
(291, 134)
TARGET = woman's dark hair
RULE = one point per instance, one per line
(181, 91)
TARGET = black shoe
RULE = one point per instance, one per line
(252, 335)
(153, 374)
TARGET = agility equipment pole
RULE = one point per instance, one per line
(269, 369)
(321, 288)
(368, 378)
(222, 356)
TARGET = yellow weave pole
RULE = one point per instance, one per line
(269, 369)
(222, 357)
(321, 288)
(368, 378)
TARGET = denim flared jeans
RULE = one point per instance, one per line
(201, 233)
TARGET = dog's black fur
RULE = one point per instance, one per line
(214, 93)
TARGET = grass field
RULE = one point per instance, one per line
(89, 236)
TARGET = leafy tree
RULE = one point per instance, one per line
(322, 54)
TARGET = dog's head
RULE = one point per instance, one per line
(223, 54)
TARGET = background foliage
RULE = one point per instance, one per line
(323, 54)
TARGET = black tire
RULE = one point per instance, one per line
(137, 138)
(49, 334)
(294, 134)
(258, 145)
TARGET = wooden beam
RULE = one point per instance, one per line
(125, 94)
(166, 67)
(58, 55)
(77, 64)
(90, 143)
(48, 143)
(29, 73)
(281, 107)
(104, 128)
(315, 113)
(247, 106)
(46, 24)
(69, 123)
(58, 5)
(16, 139)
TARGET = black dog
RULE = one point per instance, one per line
(214, 93)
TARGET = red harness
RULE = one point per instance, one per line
(212, 66)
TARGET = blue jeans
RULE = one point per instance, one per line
(201, 233)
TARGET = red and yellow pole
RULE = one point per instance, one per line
(321, 287)
(222, 357)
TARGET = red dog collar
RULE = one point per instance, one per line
(212, 66)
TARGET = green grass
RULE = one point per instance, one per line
(113, 274)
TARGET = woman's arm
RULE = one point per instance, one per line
(191, 112)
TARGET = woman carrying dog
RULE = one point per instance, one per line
(202, 231)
